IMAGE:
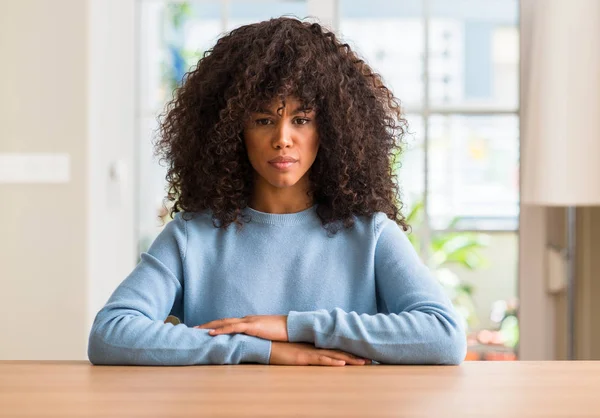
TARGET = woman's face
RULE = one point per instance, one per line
(282, 146)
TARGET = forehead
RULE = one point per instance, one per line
(289, 103)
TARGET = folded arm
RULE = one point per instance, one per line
(418, 324)
(130, 328)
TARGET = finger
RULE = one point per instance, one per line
(323, 360)
(218, 323)
(238, 328)
(348, 358)
(366, 360)
(348, 354)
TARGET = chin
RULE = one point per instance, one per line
(282, 184)
(282, 181)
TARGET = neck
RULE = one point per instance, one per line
(269, 199)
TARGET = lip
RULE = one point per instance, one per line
(283, 165)
(283, 159)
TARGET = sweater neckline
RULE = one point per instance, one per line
(283, 219)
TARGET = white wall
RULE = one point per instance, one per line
(66, 86)
(536, 313)
(111, 250)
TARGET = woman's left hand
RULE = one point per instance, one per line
(269, 327)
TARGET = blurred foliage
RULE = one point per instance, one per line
(451, 248)
(177, 60)
(505, 314)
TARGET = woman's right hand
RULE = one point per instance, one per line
(304, 354)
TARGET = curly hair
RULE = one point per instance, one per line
(359, 123)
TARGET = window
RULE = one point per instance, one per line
(454, 66)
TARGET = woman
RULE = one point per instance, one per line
(287, 245)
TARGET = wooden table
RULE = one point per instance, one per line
(474, 389)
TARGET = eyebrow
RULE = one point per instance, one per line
(301, 109)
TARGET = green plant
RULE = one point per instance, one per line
(451, 248)
(177, 60)
(505, 315)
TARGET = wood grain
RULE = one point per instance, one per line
(474, 389)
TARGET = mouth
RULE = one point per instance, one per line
(282, 165)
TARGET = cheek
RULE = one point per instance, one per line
(252, 148)
(257, 155)
(314, 148)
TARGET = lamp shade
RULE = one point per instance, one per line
(560, 102)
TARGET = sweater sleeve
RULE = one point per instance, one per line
(130, 328)
(418, 324)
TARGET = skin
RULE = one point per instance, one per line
(270, 133)
(274, 328)
(290, 132)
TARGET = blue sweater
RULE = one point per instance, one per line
(364, 291)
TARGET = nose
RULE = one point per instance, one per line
(282, 137)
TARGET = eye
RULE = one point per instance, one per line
(302, 121)
(262, 122)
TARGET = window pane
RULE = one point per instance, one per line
(473, 171)
(474, 53)
(173, 37)
(411, 170)
(389, 35)
(151, 92)
(151, 185)
(242, 12)
(479, 273)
